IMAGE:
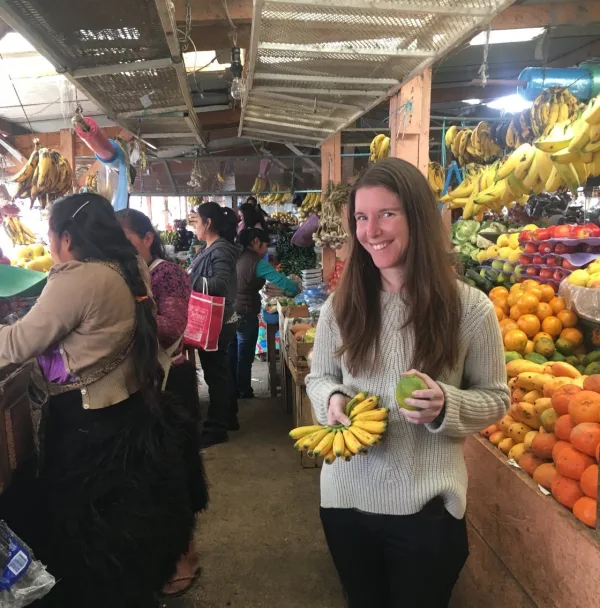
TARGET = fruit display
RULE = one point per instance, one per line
(331, 232)
(17, 232)
(436, 176)
(277, 197)
(537, 327)
(472, 145)
(368, 423)
(46, 175)
(380, 148)
(33, 257)
(284, 217)
(552, 431)
(310, 204)
(567, 251)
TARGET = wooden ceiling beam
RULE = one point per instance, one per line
(219, 36)
(584, 53)
(222, 117)
(213, 11)
(543, 15)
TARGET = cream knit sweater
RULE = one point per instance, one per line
(413, 463)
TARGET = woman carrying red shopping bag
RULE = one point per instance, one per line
(214, 284)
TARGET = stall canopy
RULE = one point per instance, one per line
(318, 65)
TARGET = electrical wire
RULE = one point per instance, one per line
(231, 23)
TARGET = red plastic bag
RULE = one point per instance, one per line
(205, 320)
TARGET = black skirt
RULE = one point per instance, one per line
(110, 512)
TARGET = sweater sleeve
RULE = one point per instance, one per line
(326, 377)
(264, 270)
(52, 318)
(485, 397)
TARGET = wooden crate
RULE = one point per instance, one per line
(298, 351)
(17, 446)
(289, 312)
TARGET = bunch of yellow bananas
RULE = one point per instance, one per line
(220, 178)
(285, 217)
(260, 184)
(276, 197)
(91, 182)
(45, 174)
(436, 176)
(17, 232)
(472, 145)
(310, 204)
(552, 106)
(380, 147)
(368, 423)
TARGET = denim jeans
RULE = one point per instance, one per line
(241, 353)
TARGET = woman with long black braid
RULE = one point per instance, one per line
(110, 512)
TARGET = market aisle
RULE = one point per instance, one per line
(261, 541)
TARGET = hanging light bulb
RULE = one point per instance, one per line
(238, 86)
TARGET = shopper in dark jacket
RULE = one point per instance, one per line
(253, 271)
(213, 271)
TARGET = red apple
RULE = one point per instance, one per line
(563, 232)
(538, 259)
(524, 260)
(552, 230)
(561, 249)
(546, 273)
(530, 247)
(525, 235)
(585, 231)
(559, 275)
(552, 261)
(541, 234)
(532, 271)
(545, 248)
(567, 265)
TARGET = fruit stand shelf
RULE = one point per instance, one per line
(525, 547)
(327, 62)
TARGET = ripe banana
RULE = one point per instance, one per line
(364, 406)
(352, 443)
(366, 438)
(338, 444)
(326, 444)
(381, 413)
(303, 431)
(372, 426)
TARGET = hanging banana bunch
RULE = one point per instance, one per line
(472, 145)
(380, 147)
(260, 185)
(46, 175)
(17, 232)
(91, 182)
(310, 204)
(436, 176)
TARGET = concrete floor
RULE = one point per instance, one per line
(261, 542)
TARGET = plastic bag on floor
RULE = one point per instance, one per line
(23, 580)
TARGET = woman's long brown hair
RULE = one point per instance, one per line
(430, 288)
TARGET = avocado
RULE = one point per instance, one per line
(557, 357)
(405, 388)
(564, 347)
(580, 368)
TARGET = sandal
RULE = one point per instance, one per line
(193, 579)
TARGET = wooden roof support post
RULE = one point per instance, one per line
(67, 149)
(331, 170)
(410, 109)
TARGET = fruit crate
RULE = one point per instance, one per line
(289, 312)
(298, 351)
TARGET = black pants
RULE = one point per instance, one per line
(217, 374)
(393, 561)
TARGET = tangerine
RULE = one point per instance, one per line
(498, 291)
(527, 303)
(506, 325)
(530, 348)
(563, 427)
(541, 334)
(513, 297)
(499, 313)
(552, 326)
(536, 291)
(584, 406)
(515, 339)
(529, 324)
(558, 446)
(561, 398)
(544, 475)
(515, 313)
(592, 383)
(585, 437)
(572, 463)
(585, 510)
(589, 481)
(544, 310)
(529, 284)
(547, 293)
(567, 317)
(572, 335)
(566, 491)
(502, 302)
(558, 304)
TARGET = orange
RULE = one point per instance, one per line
(502, 303)
(530, 348)
(506, 325)
(498, 291)
(515, 339)
(544, 475)
(544, 311)
(499, 313)
(516, 287)
(513, 297)
(572, 463)
(561, 398)
(528, 304)
(529, 324)
(566, 491)
(515, 313)
(584, 406)
(558, 304)
(572, 335)
(585, 510)
(528, 284)
(585, 437)
(536, 291)
(552, 326)
(567, 317)
(541, 334)
(547, 293)
(589, 481)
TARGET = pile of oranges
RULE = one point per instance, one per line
(530, 312)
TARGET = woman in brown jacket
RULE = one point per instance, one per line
(110, 511)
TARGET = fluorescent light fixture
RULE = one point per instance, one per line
(472, 102)
(503, 36)
(511, 104)
(200, 60)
